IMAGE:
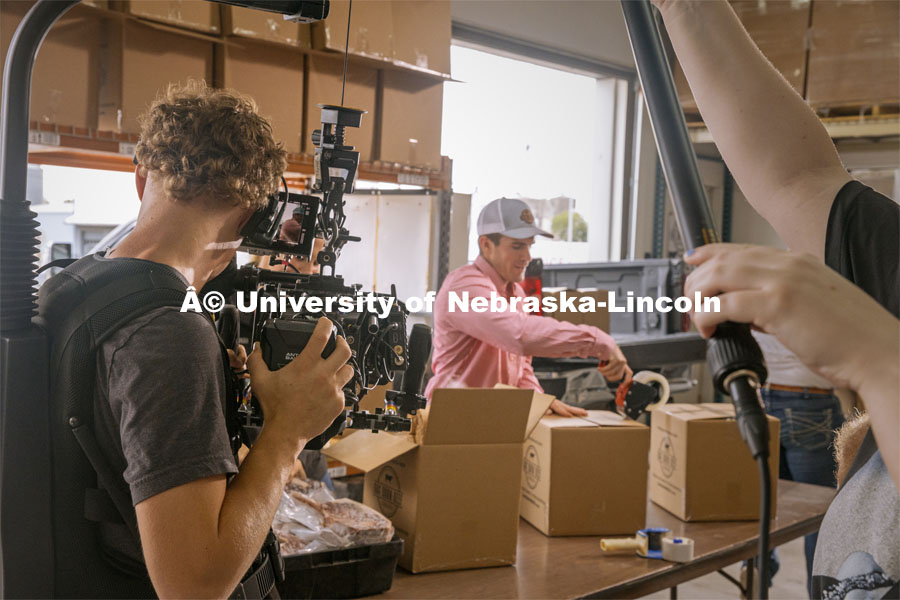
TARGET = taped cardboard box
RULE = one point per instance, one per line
(854, 54)
(452, 490)
(323, 86)
(779, 29)
(421, 32)
(271, 75)
(700, 468)
(138, 63)
(264, 25)
(198, 15)
(66, 74)
(586, 476)
(599, 318)
(371, 29)
(411, 107)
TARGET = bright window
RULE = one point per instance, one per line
(545, 135)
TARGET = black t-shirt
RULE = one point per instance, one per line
(862, 242)
(857, 550)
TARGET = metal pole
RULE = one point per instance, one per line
(695, 220)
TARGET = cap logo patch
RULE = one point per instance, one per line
(527, 216)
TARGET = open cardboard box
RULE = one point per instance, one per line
(586, 476)
(451, 487)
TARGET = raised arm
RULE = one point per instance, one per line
(779, 152)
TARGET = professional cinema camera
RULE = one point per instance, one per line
(288, 304)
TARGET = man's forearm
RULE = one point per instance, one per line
(200, 538)
(251, 500)
(773, 143)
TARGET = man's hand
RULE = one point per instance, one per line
(238, 360)
(564, 410)
(301, 399)
(615, 368)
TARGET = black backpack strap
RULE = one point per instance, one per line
(143, 290)
(59, 263)
(96, 501)
(155, 290)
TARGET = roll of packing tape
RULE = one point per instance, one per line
(647, 377)
(678, 549)
(653, 546)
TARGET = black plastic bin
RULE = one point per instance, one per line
(345, 573)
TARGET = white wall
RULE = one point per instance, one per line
(591, 28)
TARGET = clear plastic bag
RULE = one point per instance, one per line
(309, 519)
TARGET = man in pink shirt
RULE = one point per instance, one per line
(481, 349)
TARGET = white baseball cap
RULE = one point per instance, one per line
(510, 217)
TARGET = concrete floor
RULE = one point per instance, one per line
(789, 584)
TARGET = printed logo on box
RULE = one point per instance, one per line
(387, 490)
(666, 456)
(532, 467)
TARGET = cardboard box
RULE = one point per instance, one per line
(271, 75)
(138, 63)
(374, 398)
(66, 76)
(411, 108)
(421, 33)
(854, 55)
(700, 468)
(599, 318)
(198, 15)
(323, 86)
(586, 476)
(264, 25)
(452, 490)
(370, 29)
(779, 29)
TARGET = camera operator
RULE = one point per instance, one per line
(473, 349)
(788, 168)
(206, 161)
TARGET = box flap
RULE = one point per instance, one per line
(697, 412)
(482, 415)
(607, 418)
(594, 418)
(540, 404)
(558, 422)
(367, 450)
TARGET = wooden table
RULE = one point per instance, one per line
(575, 567)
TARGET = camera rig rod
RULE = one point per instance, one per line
(733, 355)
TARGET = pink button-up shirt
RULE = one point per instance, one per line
(474, 349)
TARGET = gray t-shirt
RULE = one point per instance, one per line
(857, 555)
(158, 414)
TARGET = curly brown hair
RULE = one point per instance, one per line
(212, 144)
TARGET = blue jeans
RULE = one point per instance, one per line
(808, 422)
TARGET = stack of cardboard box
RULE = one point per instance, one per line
(100, 69)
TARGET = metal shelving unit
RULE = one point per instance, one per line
(68, 146)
